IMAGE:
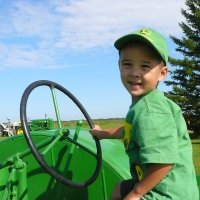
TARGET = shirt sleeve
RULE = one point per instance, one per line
(156, 135)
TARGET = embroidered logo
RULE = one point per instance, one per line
(145, 32)
(136, 172)
(127, 134)
(139, 172)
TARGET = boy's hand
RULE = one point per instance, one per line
(113, 133)
(97, 132)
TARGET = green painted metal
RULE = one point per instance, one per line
(37, 184)
(20, 168)
(72, 148)
(41, 124)
(198, 182)
(54, 141)
(56, 106)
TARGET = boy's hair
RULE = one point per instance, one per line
(146, 36)
(153, 53)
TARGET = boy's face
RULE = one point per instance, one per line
(140, 69)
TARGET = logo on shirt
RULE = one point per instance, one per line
(135, 169)
(136, 172)
(127, 134)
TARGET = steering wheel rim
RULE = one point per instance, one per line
(35, 152)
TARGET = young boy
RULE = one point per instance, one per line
(155, 133)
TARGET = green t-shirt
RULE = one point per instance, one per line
(155, 132)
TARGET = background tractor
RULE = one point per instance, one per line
(8, 128)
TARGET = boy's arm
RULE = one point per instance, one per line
(113, 133)
(155, 173)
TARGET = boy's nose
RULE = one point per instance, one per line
(134, 73)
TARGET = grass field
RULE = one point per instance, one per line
(103, 123)
(196, 154)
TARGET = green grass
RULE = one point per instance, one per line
(103, 123)
(196, 154)
(109, 123)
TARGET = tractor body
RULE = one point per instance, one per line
(22, 178)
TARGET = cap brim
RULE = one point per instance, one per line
(121, 42)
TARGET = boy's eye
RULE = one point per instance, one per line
(126, 64)
(146, 66)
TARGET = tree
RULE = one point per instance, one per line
(185, 73)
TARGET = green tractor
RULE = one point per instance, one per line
(41, 124)
(59, 163)
(37, 125)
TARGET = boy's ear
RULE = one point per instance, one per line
(163, 73)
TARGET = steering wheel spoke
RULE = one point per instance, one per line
(51, 145)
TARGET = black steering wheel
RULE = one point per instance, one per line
(23, 116)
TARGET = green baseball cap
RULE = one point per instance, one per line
(146, 35)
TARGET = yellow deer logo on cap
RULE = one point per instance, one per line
(145, 32)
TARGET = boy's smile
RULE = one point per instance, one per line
(140, 69)
(134, 85)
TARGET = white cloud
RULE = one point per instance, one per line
(92, 23)
(31, 32)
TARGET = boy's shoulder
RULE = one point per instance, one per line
(156, 102)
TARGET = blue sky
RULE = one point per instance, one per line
(71, 42)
